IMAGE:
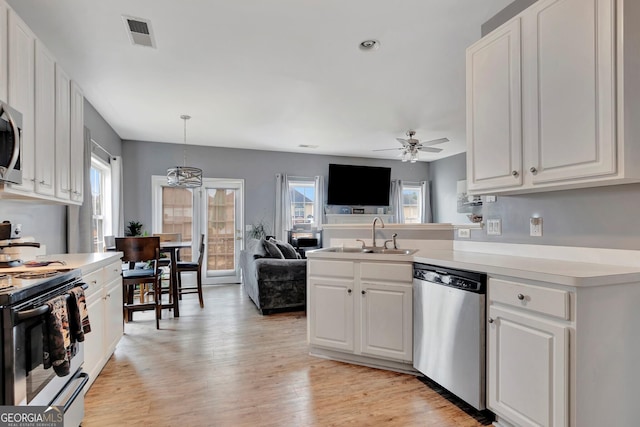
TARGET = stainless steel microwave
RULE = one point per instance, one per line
(10, 144)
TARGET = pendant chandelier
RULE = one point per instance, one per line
(184, 176)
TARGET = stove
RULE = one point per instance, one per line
(17, 286)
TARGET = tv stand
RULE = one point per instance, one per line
(357, 218)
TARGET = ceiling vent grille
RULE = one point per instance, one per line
(139, 31)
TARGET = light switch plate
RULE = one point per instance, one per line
(494, 227)
(490, 199)
(464, 233)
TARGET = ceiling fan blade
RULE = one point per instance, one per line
(436, 141)
(404, 142)
(389, 149)
(430, 149)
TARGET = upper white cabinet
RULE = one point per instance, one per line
(52, 108)
(77, 143)
(21, 93)
(546, 100)
(45, 123)
(494, 111)
(63, 134)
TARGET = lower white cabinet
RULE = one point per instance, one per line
(361, 308)
(528, 372)
(104, 303)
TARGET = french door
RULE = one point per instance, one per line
(214, 210)
(220, 219)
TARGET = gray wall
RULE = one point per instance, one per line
(444, 175)
(141, 160)
(48, 222)
(603, 217)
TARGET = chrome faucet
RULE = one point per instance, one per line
(373, 229)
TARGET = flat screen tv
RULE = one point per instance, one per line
(358, 185)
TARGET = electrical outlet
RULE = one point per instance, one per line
(535, 227)
(494, 227)
(464, 233)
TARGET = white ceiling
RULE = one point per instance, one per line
(274, 74)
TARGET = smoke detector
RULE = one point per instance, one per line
(139, 31)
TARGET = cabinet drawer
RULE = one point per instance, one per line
(394, 272)
(327, 268)
(552, 302)
(112, 271)
(93, 280)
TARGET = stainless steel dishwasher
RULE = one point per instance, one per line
(449, 329)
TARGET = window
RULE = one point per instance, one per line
(100, 202)
(302, 193)
(412, 203)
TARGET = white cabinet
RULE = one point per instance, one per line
(545, 104)
(528, 353)
(4, 45)
(104, 302)
(361, 308)
(21, 93)
(45, 123)
(63, 134)
(77, 143)
(494, 111)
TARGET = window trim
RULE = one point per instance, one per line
(106, 193)
(305, 181)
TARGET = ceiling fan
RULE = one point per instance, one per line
(411, 146)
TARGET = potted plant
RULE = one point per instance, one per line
(134, 228)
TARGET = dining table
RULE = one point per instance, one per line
(173, 248)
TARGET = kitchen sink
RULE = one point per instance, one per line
(370, 250)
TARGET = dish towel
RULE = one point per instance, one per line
(57, 339)
(78, 314)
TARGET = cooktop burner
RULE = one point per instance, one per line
(36, 274)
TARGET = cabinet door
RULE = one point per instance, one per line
(45, 103)
(22, 94)
(494, 112)
(4, 43)
(77, 143)
(569, 96)
(114, 322)
(63, 134)
(528, 369)
(94, 340)
(331, 313)
(386, 321)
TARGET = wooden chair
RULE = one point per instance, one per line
(142, 255)
(192, 267)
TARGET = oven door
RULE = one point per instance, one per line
(10, 144)
(32, 383)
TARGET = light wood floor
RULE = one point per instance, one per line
(226, 365)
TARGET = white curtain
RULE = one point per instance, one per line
(283, 207)
(396, 201)
(117, 209)
(318, 204)
(426, 201)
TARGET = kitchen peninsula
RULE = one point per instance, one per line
(566, 329)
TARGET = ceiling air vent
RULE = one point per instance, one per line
(139, 31)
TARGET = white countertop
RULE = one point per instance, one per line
(86, 262)
(569, 273)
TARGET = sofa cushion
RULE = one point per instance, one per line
(271, 249)
(287, 250)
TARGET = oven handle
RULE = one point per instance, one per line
(77, 391)
(39, 311)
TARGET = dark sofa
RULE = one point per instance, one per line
(273, 283)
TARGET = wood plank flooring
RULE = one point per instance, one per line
(226, 365)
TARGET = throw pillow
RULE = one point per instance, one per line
(287, 250)
(272, 250)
